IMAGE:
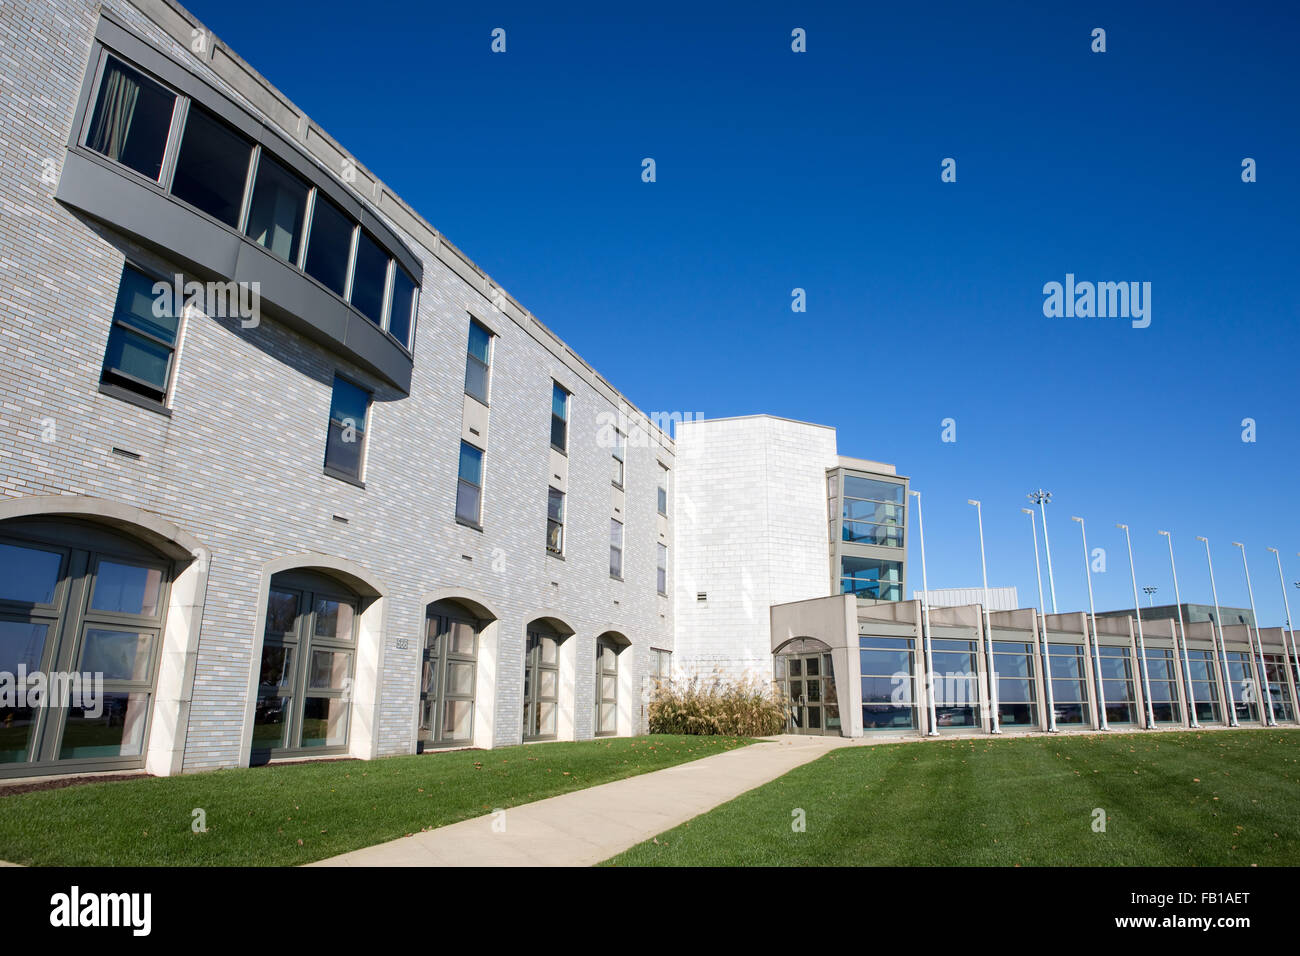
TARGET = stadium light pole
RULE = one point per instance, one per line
(1041, 498)
(1150, 591)
(988, 627)
(1223, 648)
(1102, 722)
(925, 614)
(1259, 638)
(1192, 720)
(1042, 613)
(1142, 647)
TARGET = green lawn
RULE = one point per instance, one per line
(1227, 798)
(287, 814)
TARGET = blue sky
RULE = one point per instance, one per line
(821, 171)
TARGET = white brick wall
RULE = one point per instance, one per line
(751, 527)
(238, 465)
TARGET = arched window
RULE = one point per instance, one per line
(449, 675)
(607, 649)
(541, 682)
(304, 687)
(82, 607)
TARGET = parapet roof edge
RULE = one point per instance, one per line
(381, 198)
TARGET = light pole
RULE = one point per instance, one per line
(1102, 722)
(1192, 721)
(1223, 648)
(1041, 497)
(1286, 604)
(925, 613)
(994, 727)
(1150, 590)
(1142, 647)
(1042, 613)
(1259, 639)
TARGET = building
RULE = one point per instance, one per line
(1000, 599)
(1192, 613)
(296, 479)
(280, 462)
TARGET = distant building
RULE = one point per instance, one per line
(1000, 599)
(1192, 613)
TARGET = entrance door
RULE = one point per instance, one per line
(810, 694)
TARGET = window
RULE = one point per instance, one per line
(661, 665)
(873, 512)
(347, 430)
(84, 600)
(1162, 677)
(1241, 684)
(401, 310)
(620, 452)
(541, 682)
(1117, 685)
(606, 687)
(1069, 683)
(1013, 668)
(369, 278)
(887, 667)
(132, 119)
(212, 167)
(662, 568)
(555, 521)
(329, 250)
(478, 361)
(663, 491)
(1204, 685)
(956, 682)
(871, 578)
(1275, 667)
(559, 418)
(276, 216)
(305, 682)
(615, 548)
(141, 342)
(448, 676)
(469, 485)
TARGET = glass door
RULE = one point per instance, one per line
(810, 693)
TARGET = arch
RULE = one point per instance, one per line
(802, 645)
(164, 747)
(625, 700)
(538, 670)
(475, 601)
(444, 604)
(363, 723)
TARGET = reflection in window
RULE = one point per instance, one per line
(606, 687)
(1162, 677)
(347, 429)
(212, 167)
(132, 119)
(401, 310)
(871, 578)
(478, 360)
(1117, 685)
(330, 247)
(1204, 685)
(469, 485)
(559, 418)
(448, 677)
(555, 521)
(887, 669)
(615, 548)
(127, 588)
(275, 218)
(1241, 681)
(28, 575)
(142, 338)
(1069, 683)
(541, 683)
(956, 682)
(1013, 667)
(661, 568)
(369, 278)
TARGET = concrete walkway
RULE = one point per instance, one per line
(587, 826)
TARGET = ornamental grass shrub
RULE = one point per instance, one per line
(747, 707)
